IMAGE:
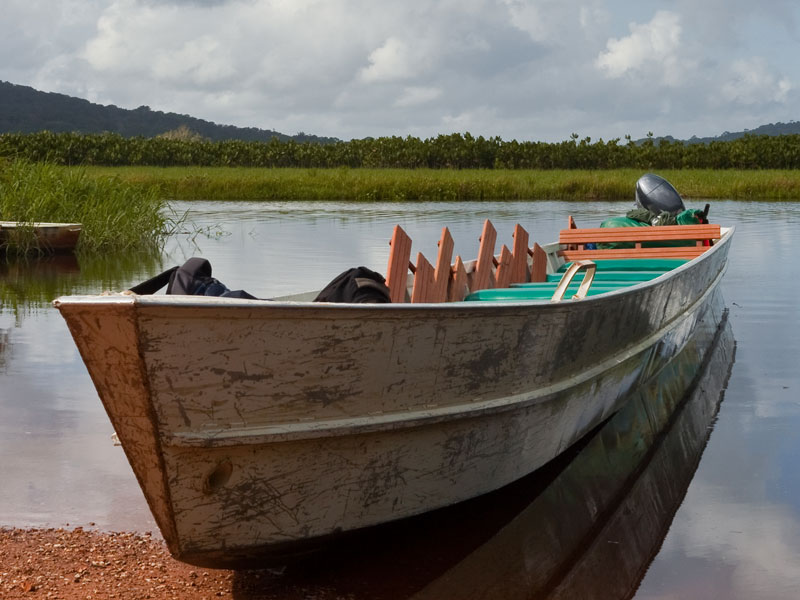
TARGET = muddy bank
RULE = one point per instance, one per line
(81, 564)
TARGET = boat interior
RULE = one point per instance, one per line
(584, 262)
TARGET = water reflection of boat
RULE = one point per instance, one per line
(39, 267)
(47, 237)
(29, 281)
(595, 529)
(585, 526)
(256, 428)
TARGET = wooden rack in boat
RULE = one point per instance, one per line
(448, 282)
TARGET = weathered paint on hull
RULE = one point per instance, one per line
(50, 237)
(256, 426)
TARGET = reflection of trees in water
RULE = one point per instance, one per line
(4, 346)
(29, 284)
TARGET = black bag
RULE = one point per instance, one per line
(192, 278)
(357, 285)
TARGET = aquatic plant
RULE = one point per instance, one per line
(115, 215)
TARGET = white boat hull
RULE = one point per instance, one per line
(256, 427)
(48, 237)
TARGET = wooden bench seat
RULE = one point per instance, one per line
(575, 241)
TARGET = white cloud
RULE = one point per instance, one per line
(415, 96)
(392, 61)
(751, 82)
(652, 49)
(593, 18)
(122, 36)
(756, 542)
(524, 69)
(203, 60)
(556, 22)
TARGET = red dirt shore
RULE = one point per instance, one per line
(71, 564)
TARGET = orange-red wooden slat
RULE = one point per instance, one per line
(423, 280)
(397, 269)
(519, 262)
(669, 252)
(442, 274)
(639, 234)
(458, 282)
(482, 277)
(539, 267)
(504, 266)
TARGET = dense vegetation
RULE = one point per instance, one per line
(454, 151)
(388, 185)
(115, 215)
(26, 110)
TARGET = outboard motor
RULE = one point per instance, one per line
(657, 195)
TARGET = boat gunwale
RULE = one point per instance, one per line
(238, 304)
(38, 225)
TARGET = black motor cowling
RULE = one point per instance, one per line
(657, 195)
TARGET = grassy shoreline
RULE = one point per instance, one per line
(116, 217)
(250, 183)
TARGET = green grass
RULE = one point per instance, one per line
(225, 183)
(116, 216)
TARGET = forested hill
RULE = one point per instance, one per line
(790, 128)
(773, 129)
(26, 110)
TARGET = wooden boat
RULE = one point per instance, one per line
(49, 237)
(257, 428)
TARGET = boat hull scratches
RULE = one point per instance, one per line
(192, 369)
(301, 490)
(487, 441)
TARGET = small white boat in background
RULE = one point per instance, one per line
(49, 237)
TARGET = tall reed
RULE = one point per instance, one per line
(115, 215)
(226, 183)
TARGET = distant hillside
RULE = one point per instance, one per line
(773, 129)
(26, 110)
(790, 128)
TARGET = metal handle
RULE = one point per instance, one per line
(570, 273)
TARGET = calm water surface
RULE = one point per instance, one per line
(735, 533)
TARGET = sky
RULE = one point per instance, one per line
(527, 70)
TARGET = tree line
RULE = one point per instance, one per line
(453, 151)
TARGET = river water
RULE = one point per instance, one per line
(730, 530)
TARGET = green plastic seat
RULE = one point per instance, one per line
(535, 291)
(634, 264)
(608, 276)
(611, 275)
